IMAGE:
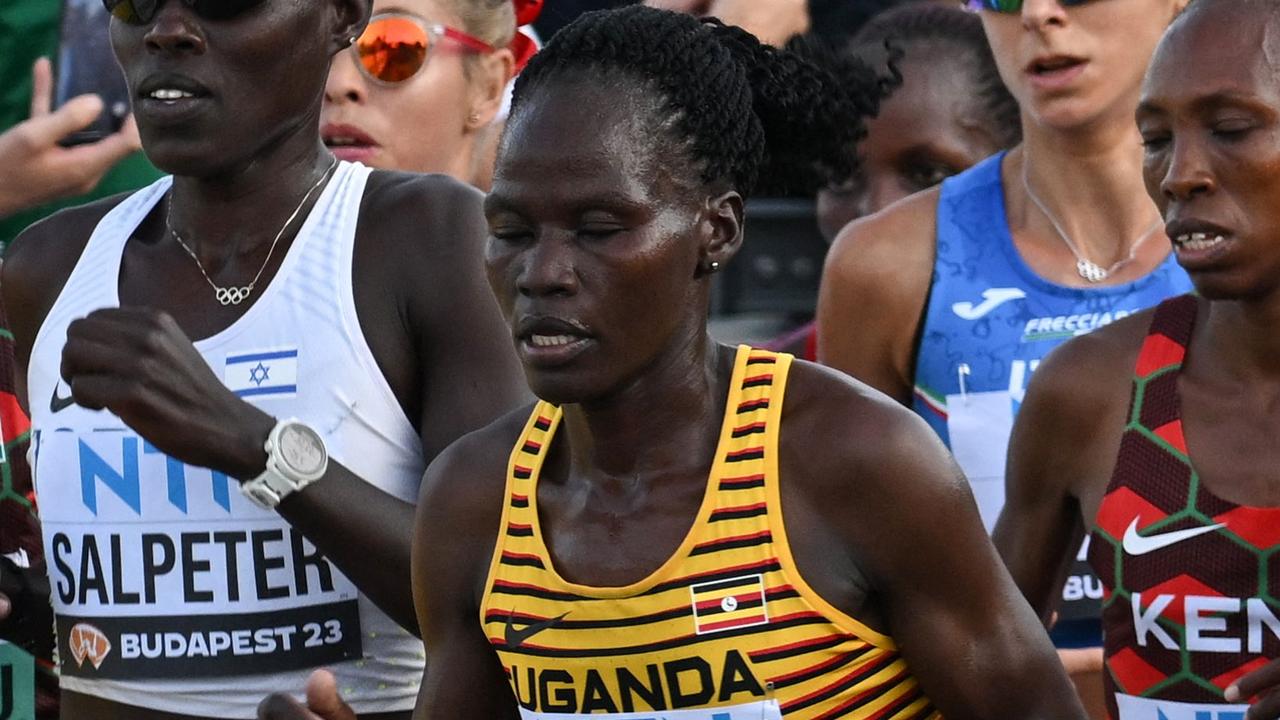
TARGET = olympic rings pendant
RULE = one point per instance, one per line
(1091, 271)
(233, 295)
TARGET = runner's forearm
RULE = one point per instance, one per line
(366, 532)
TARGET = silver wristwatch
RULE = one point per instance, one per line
(296, 457)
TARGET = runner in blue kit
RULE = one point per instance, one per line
(948, 300)
(991, 318)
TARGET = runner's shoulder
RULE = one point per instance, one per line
(1086, 374)
(1068, 429)
(422, 235)
(878, 271)
(465, 485)
(421, 212)
(853, 441)
(38, 262)
(50, 247)
(879, 246)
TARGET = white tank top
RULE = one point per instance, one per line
(174, 592)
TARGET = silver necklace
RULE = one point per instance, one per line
(1085, 267)
(232, 294)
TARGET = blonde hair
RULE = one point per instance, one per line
(493, 21)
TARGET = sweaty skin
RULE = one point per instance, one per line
(1212, 132)
(242, 160)
(587, 229)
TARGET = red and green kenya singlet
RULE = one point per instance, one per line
(726, 629)
(1191, 580)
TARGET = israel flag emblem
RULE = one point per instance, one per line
(262, 373)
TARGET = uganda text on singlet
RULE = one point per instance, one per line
(726, 629)
(172, 591)
(1192, 579)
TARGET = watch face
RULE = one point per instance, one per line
(302, 449)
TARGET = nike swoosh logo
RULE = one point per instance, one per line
(58, 404)
(1136, 544)
(992, 298)
(515, 638)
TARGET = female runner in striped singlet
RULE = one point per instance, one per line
(1157, 434)
(664, 535)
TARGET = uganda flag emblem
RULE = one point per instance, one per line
(729, 604)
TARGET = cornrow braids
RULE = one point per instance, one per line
(921, 23)
(758, 118)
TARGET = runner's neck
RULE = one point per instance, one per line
(674, 412)
(1098, 197)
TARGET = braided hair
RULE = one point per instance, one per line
(742, 113)
(919, 24)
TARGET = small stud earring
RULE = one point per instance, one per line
(713, 267)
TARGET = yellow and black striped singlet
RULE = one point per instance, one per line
(726, 629)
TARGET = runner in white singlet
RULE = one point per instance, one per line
(363, 313)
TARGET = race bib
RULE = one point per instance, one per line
(764, 710)
(1136, 708)
(164, 570)
(979, 425)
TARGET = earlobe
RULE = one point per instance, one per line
(349, 20)
(724, 223)
(489, 88)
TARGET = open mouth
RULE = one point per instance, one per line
(1198, 241)
(548, 351)
(171, 89)
(348, 142)
(547, 340)
(341, 141)
(553, 341)
(171, 95)
(1054, 66)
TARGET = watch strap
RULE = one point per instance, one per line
(277, 481)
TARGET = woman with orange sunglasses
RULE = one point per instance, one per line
(422, 87)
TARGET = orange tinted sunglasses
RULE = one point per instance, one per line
(395, 46)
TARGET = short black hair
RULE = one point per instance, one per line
(756, 117)
(918, 23)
